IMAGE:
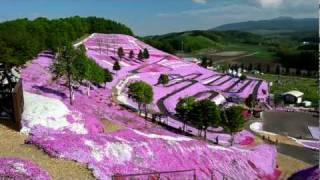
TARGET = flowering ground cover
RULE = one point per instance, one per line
(310, 143)
(16, 169)
(315, 132)
(76, 132)
(131, 151)
(311, 173)
(165, 63)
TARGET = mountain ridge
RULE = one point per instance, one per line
(280, 24)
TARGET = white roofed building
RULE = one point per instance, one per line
(293, 97)
(219, 99)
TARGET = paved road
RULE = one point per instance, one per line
(294, 125)
(304, 154)
(289, 123)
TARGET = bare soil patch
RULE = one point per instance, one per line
(12, 145)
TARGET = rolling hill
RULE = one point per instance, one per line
(271, 26)
(196, 40)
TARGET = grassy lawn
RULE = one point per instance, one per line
(309, 86)
(110, 126)
(203, 45)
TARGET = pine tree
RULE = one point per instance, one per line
(140, 55)
(120, 53)
(146, 53)
(116, 66)
(131, 54)
(163, 79)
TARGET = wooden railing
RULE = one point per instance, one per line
(170, 175)
(155, 175)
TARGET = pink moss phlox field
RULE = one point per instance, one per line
(313, 144)
(142, 146)
(18, 169)
(130, 151)
(312, 173)
(162, 62)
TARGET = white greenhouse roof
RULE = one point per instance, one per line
(294, 93)
(219, 99)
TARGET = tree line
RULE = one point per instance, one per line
(23, 39)
(205, 113)
(303, 57)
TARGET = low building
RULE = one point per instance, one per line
(307, 103)
(293, 97)
(219, 99)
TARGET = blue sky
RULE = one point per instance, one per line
(150, 17)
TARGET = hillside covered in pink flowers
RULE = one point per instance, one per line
(76, 132)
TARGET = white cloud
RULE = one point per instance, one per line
(270, 3)
(200, 1)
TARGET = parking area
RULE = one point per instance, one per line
(293, 124)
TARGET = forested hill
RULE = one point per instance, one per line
(198, 39)
(22, 39)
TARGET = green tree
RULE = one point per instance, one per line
(140, 55)
(116, 66)
(120, 53)
(141, 93)
(63, 67)
(27, 38)
(204, 62)
(243, 77)
(85, 69)
(107, 76)
(131, 54)
(6, 54)
(146, 54)
(204, 114)
(278, 100)
(250, 68)
(163, 79)
(251, 101)
(259, 68)
(278, 71)
(268, 68)
(77, 67)
(232, 120)
(183, 109)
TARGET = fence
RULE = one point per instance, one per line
(223, 176)
(189, 175)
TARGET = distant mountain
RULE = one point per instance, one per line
(277, 25)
